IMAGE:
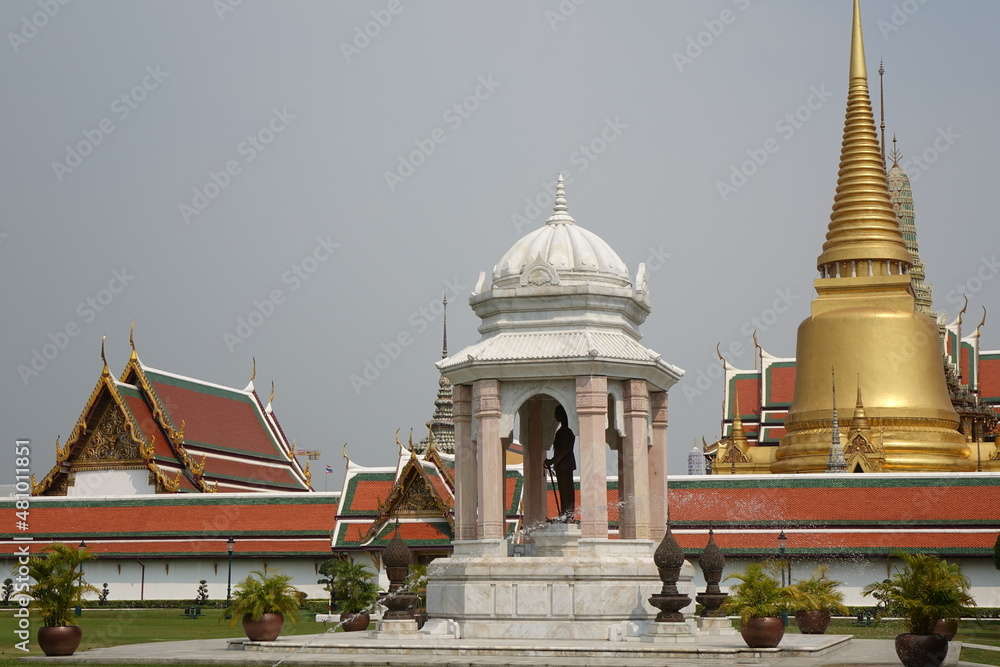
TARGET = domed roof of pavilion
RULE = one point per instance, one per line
(560, 252)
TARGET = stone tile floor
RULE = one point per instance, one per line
(349, 649)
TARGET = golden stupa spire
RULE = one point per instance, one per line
(859, 422)
(863, 238)
(739, 435)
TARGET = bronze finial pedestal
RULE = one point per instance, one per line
(669, 625)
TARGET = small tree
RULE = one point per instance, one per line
(328, 568)
(202, 596)
(996, 553)
(102, 598)
(8, 590)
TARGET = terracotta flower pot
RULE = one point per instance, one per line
(352, 622)
(812, 622)
(59, 640)
(947, 627)
(763, 632)
(921, 650)
(266, 629)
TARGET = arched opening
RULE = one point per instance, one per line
(538, 432)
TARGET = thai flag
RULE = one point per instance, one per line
(329, 469)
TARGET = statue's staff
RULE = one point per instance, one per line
(552, 483)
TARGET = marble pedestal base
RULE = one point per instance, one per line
(394, 628)
(669, 633)
(580, 589)
(715, 626)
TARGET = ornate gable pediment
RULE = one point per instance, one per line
(110, 443)
(412, 495)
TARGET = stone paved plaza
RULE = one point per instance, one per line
(359, 649)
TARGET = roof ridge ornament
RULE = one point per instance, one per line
(560, 212)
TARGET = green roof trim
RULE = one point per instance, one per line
(824, 481)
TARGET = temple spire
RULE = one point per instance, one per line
(863, 237)
(444, 328)
(837, 462)
(881, 104)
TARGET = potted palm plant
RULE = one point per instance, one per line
(59, 587)
(923, 591)
(261, 602)
(758, 600)
(814, 600)
(354, 593)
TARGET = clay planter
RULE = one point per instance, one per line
(59, 640)
(351, 622)
(266, 629)
(947, 627)
(812, 622)
(763, 632)
(921, 650)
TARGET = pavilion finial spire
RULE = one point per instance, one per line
(560, 212)
(131, 341)
(863, 225)
(895, 154)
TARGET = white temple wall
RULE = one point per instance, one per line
(177, 579)
(858, 572)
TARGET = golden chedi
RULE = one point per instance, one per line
(864, 323)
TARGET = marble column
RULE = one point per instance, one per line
(658, 466)
(490, 456)
(634, 475)
(466, 468)
(534, 468)
(591, 410)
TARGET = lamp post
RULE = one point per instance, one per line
(230, 546)
(781, 554)
(81, 547)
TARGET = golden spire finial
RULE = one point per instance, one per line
(270, 399)
(982, 322)
(398, 443)
(348, 461)
(863, 224)
(131, 341)
(253, 369)
(860, 404)
(413, 454)
(858, 66)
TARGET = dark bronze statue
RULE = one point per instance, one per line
(564, 463)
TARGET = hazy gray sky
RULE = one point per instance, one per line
(182, 163)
